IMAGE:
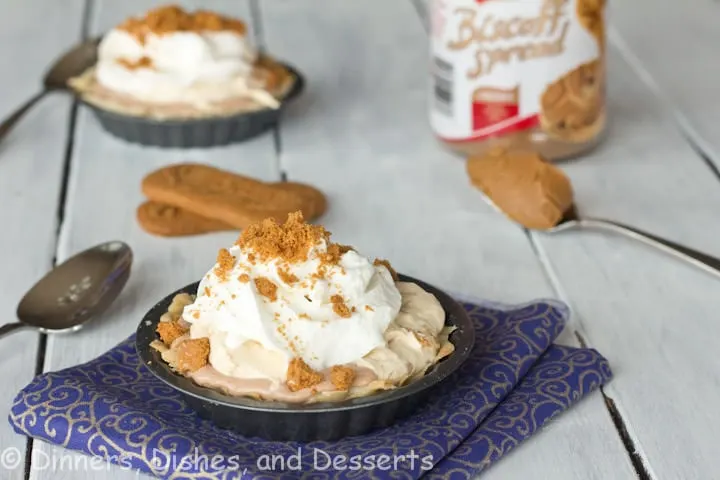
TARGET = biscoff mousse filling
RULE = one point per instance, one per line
(173, 64)
(286, 314)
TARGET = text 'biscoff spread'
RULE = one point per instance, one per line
(522, 75)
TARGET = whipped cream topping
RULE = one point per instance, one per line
(196, 67)
(260, 315)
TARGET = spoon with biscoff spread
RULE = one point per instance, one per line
(539, 196)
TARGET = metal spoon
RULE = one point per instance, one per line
(72, 63)
(572, 220)
(75, 291)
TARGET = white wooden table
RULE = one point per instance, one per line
(360, 134)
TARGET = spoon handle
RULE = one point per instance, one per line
(9, 328)
(14, 117)
(698, 259)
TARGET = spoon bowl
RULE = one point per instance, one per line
(71, 64)
(79, 289)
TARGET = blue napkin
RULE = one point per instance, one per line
(515, 381)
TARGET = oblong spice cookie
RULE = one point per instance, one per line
(228, 197)
(316, 203)
(170, 221)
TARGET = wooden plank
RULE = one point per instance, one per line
(31, 166)
(676, 53)
(653, 317)
(361, 135)
(104, 191)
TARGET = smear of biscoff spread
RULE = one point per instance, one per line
(525, 187)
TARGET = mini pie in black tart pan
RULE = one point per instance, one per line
(318, 421)
(204, 132)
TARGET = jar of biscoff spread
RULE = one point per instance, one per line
(518, 74)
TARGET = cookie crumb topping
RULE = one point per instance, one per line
(342, 377)
(170, 331)
(290, 242)
(244, 278)
(146, 62)
(286, 276)
(266, 288)
(225, 264)
(193, 354)
(172, 18)
(339, 306)
(301, 376)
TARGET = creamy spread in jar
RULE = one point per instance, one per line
(523, 75)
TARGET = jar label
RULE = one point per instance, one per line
(503, 66)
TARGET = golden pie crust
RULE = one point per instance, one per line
(573, 107)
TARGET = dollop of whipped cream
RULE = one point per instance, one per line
(285, 291)
(171, 56)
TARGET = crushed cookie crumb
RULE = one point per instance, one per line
(342, 377)
(266, 288)
(339, 306)
(225, 263)
(353, 309)
(196, 314)
(244, 278)
(251, 258)
(192, 354)
(289, 242)
(387, 265)
(233, 296)
(286, 276)
(369, 308)
(142, 62)
(304, 315)
(301, 376)
(207, 291)
(172, 18)
(345, 248)
(170, 331)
